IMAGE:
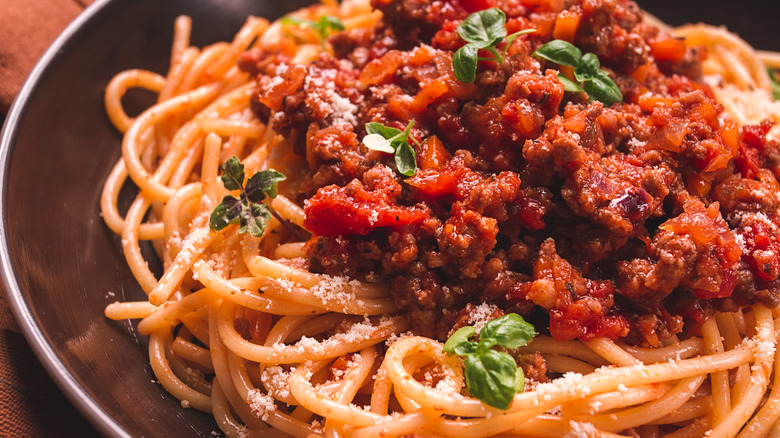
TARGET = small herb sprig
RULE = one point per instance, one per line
(590, 77)
(324, 26)
(775, 84)
(482, 30)
(393, 141)
(249, 209)
(492, 376)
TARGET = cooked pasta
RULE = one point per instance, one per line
(242, 328)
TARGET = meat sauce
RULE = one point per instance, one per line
(626, 221)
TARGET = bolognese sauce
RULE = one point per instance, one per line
(621, 221)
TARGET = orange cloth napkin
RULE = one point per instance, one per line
(31, 405)
(27, 28)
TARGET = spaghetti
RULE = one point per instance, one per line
(240, 328)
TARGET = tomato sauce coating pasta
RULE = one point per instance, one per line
(639, 237)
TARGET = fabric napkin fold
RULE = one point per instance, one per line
(27, 28)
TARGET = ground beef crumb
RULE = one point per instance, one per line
(626, 221)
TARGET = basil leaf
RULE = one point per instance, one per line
(378, 143)
(483, 28)
(288, 20)
(511, 38)
(569, 85)
(263, 184)
(459, 337)
(225, 213)
(509, 331)
(519, 380)
(491, 377)
(406, 132)
(775, 85)
(324, 26)
(253, 219)
(485, 344)
(328, 23)
(465, 348)
(588, 67)
(385, 131)
(405, 158)
(603, 89)
(233, 174)
(560, 52)
(464, 64)
(386, 139)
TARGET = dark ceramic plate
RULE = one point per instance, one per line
(60, 263)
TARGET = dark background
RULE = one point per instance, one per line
(755, 21)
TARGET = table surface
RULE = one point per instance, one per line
(31, 405)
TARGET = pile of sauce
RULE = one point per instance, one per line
(633, 221)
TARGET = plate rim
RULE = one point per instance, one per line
(88, 407)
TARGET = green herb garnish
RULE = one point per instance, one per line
(775, 85)
(249, 209)
(482, 30)
(324, 26)
(393, 141)
(492, 376)
(590, 78)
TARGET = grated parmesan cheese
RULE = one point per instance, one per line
(568, 384)
(392, 339)
(321, 92)
(189, 245)
(334, 289)
(261, 404)
(582, 430)
(357, 332)
(481, 314)
(373, 217)
(277, 381)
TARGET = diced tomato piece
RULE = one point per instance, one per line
(476, 5)
(566, 25)
(332, 212)
(668, 49)
(531, 213)
(727, 283)
(432, 154)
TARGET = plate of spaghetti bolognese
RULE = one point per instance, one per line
(472, 217)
